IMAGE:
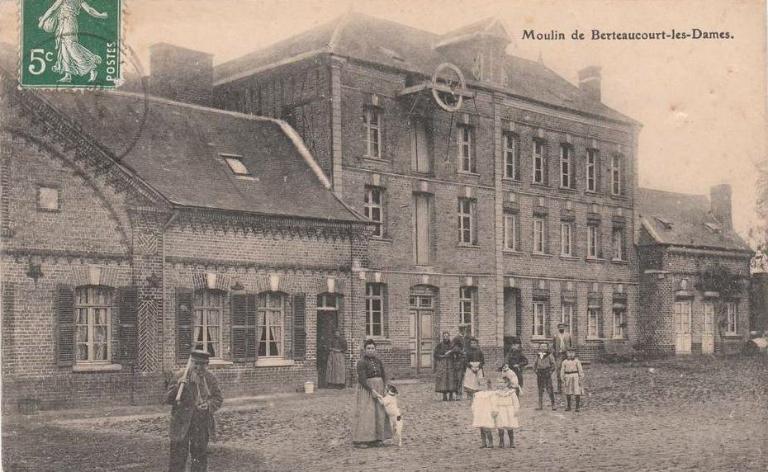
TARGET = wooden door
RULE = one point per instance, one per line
(327, 322)
(421, 327)
(682, 318)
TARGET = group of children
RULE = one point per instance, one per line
(496, 406)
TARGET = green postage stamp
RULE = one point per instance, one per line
(70, 43)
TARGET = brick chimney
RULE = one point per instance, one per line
(720, 203)
(589, 81)
(181, 74)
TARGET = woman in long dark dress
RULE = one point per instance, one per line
(445, 374)
(334, 372)
(370, 425)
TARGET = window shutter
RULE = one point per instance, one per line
(600, 324)
(299, 326)
(243, 327)
(547, 319)
(385, 311)
(126, 324)
(65, 325)
(183, 323)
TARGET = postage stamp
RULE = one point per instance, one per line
(70, 44)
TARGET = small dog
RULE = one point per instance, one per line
(389, 402)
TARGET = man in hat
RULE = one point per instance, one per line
(515, 359)
(192, 415)
(560, 344)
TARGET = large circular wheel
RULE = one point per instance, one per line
(447, 83)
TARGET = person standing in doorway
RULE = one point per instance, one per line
(445, 374)
(560, 344)
(192, 422)
(335, 373)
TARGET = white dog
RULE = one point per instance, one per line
(389, 402)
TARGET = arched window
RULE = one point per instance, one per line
(93, 323)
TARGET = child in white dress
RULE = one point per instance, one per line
(497, 409)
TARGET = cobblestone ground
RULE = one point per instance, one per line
(692, 414)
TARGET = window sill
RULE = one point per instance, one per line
(97, 368)
(511, 180)
(470, 174)
(274, 362)
(568, 189)
(566, 257)
(541, 185)
(468, 246)
(380, 160)
(219, 363)
(381, 240)
(593, 339)
(618, 197)
(619, 261)
(541, 254)
(513, 252)
(380, 341)
(595, 259)
(539, 338)
(732, 336)
(593, 193)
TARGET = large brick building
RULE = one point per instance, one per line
(694, 273)
(504, 218)
(134, 228)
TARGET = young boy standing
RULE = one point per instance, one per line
(572, 376)
(544, 365)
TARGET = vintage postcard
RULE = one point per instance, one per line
(368, 235)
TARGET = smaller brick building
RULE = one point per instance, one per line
(135, 228)
(694, 273)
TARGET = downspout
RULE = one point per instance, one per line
(162, 274)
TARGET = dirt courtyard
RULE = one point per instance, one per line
(697, 413)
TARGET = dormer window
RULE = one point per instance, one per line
(235, 163)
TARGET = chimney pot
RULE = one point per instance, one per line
(590, 81)
(720, 203)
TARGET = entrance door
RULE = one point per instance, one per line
(327, 322)
(421, 338)
(512, 318)
(682, 313)
(708, 332)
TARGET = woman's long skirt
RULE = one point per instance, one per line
(370, 421)
(572, 385)
(334, 372)
(445, 376)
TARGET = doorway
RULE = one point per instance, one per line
(512, 316)
(708, 329)
(682, 318)
(327, 323)
(422, 316)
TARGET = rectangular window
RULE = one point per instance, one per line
(48, 198)
(593, 169)
(510, 231)
(566, 316)
(467, 304)
(93, 312)
(566, 238)
(421, 228)
(618, 323)
(539, 235)
(374, 310)
(618, 244)
(208, 306)
(466, 157)
(467, 221)
(372, 120)
(566, 166)
(539, 318)
(616, 162)
(593, 241)
(270, 314)
(539, 163)
(422, 161)
(593, 319)
(511, 156)
(374, 209)
(731, 318)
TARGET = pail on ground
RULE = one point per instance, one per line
(309, 387)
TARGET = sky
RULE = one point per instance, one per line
(702, 103)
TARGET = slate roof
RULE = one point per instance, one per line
(177, 150)
(683, 220)
(371, 39)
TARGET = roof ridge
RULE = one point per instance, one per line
(670, 192)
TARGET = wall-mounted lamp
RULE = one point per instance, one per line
(35, 271)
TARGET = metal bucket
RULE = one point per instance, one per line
(309, 387)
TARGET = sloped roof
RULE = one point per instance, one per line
(683, 220)
(177, 148)
(371, 39)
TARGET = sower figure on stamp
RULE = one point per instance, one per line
(195, 397)
(560, 344)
